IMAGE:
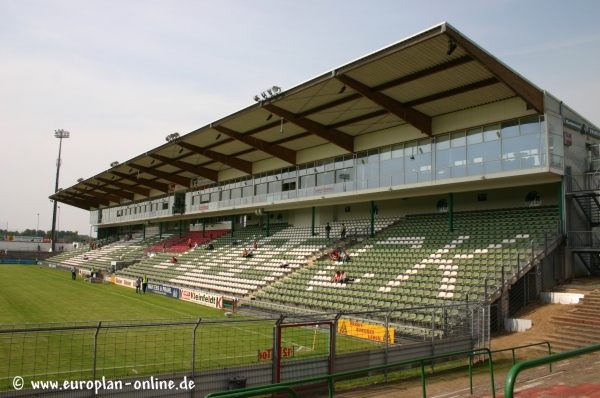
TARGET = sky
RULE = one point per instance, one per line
(122, 75)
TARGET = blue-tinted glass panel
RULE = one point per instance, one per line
(510, 128)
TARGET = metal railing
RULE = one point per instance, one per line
(585, 182)
(512, 349)
(511, 377)
(583, 239)
(523, 260)
(284, 386)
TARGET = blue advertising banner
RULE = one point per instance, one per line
(16, 261)
(164, 290)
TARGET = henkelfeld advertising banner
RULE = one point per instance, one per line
(207, 299)
(164, 290)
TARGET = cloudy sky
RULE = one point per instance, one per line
(121, 75)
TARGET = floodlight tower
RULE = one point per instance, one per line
(60, 134)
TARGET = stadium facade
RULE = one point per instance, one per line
(432, 123)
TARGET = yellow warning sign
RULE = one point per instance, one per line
(364, 331)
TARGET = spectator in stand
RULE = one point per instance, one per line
(210, 247)
(164, 248)
(344, 278)
(245, 253)
(334, 256)
(174, 259)
(327, 230)
(195, 245)
(284, 263)
(189, 243)
(343, 232)
(343, 257)
(279, 217)
(255, 245)
(336, 277)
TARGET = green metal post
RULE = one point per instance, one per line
(232, 224)
(203, 226)
(131, 229)
(144, 233)
(160, 230)
(268, 222)
(312, 225)
(451, 211)
(372, 219)
(180, 227)
(560, 205)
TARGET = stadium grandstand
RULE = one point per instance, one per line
(442, 175)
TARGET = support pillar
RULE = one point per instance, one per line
(268, 223)
(560, 206)
(312, 225)
(160, 230)
(451, 212)
(180, 227)
(144, 232)
(232, 225)
(372, 219)
(203, 226)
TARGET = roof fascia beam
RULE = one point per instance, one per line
(198, 170)
(111, 198)
(159, 186)
(417, 119)
(529, 93)
(343, 140)
(239, 164)
(177, 179)
(125, 187)
(116, 192)
(277, 151)
(452, 92)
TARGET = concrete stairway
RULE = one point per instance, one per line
(577, 327)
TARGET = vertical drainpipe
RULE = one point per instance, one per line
(268, 223)
(312, 225)
(451, 211)
(372, 219)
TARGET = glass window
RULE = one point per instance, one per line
(349, 160)
(373, 155)
(344, 175)
(458, 139)
(385, 153)
(542, 124)
(302, 170)
(307, 181)
(247, 191)
(390, 167)
(205, 198)
(165, 206)
(442, 142)
(410, 149)
(362, 172)
(319, 166)
(491, 133)
(329, 165)
(510, 128)
(339, 162)
(361, 157)
(442, 158)
(225, 195)
(325, 178)
(530, 125)
(260, 189)
(275, 187)
(424, 146)
(215, 196)
(289, 185)
(398, 151)
(236, 193)
(474, 136)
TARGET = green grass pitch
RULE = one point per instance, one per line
(38, 296)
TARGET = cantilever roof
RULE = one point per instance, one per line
(409, 82)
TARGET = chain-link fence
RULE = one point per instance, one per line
(219, 354)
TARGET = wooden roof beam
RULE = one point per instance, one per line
(343, 140)
(239, 164)
(452, 92)
(76, 204)
(88, 202)
(115, 192)
(104, 196)
(177, 179)
(198, 170)
(277, 151)
(527, 91)
(125, 187)
(159, 186)
(417, 119)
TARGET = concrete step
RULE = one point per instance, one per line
(571, 318)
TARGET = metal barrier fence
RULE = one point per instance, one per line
(216, 353)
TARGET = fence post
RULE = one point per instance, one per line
(95, 352)
(387, 335)
(485, 288)
(275, 349)
(518, 265)
(502, 290)
(194, 353)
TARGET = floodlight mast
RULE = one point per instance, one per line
(60, 134)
